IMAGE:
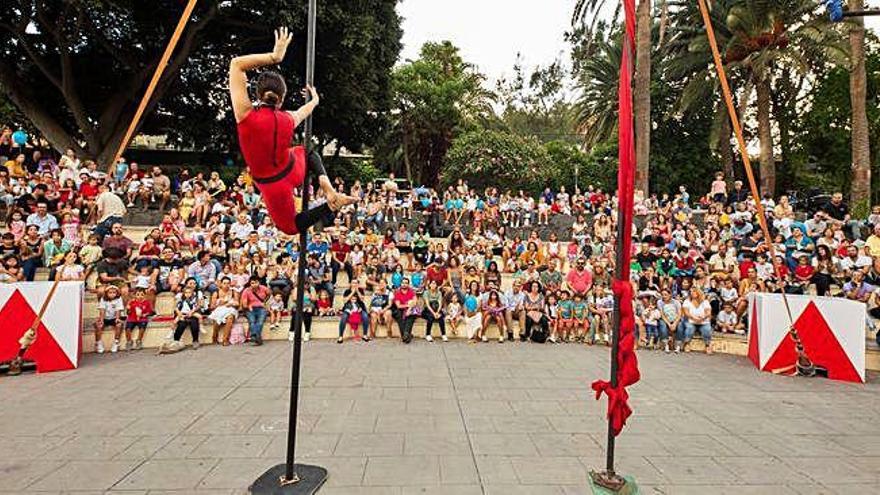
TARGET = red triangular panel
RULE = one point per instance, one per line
(15, 318)
(820, 345)
(754, 354)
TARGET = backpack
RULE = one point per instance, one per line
(538, 336)
(237, 335)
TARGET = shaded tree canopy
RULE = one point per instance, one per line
(436, 98)
(77, 69)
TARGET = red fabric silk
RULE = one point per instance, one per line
(628, 367)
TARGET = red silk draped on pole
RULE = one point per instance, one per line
(628, 367)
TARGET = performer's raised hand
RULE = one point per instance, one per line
(311, 95)
(283, 37)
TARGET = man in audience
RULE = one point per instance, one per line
(109, 209)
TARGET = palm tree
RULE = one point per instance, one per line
(772, 36)
(687, 62)
(642, 94)
(861, 155)
(759, 39)
(595, 112)
(641, 82)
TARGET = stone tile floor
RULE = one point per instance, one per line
(451, 418)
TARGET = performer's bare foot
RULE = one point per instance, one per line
(337, 201)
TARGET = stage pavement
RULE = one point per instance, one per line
(451, 419)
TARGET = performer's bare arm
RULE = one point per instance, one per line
(241, 102)
(301, 114)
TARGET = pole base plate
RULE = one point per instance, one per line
(603, 484)
(310, 479)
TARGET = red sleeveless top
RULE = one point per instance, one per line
(265, 136)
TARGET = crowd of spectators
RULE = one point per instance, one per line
(467, 262)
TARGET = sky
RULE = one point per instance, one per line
(490, 33)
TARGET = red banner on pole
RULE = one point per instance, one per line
(627, 364)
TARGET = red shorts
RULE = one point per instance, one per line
(277, 191)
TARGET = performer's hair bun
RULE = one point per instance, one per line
(271, 88)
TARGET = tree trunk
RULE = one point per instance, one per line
(724, 146)
(642, 98)
(860, 192)
(664, 22)
(765, 135)
(406, 163)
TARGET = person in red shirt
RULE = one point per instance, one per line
(437, 272)
(139, 311)
(579, 280)
(804, 271)
(403, 310)
(253, 302)
(340, 250)
(684, 263)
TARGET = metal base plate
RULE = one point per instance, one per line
(629, 487)
(310, 480)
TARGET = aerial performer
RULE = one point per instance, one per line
(265, 133)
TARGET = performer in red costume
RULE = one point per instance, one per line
(265, 133)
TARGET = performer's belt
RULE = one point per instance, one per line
(277, 177)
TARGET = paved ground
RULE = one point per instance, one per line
(431, 419)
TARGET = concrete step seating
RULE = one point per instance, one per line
(327, 328)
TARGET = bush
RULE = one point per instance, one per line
(498, 159)
(571, 166)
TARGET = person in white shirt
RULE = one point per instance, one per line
(242, 228)
(854, 259)
(728, 321)
(697, 316)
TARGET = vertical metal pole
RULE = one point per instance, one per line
(615, 322)
(615, 340)
(297, 321)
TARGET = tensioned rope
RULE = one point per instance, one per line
(804, 365)
(157, 75)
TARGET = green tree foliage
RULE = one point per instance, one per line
(824, 134)
(499, 159)
(436, 97)
(539, 105)
(77, 69)
(572, 168)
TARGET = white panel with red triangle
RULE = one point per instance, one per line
(832, 331)
(58, 345)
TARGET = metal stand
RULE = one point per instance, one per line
(307, 480)
(290, 478)
(17, 366)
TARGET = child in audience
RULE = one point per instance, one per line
(580, 319)
(727, 321)
(276, 307)
(110, 313)
(17, 225)
(139, 311)
(565, 320)
(324, 304)
(453, 315)
(651, 317)
(552, 311)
